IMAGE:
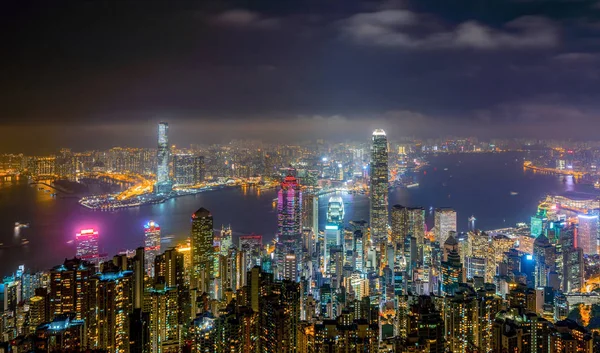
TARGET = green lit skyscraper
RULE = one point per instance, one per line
(379, 187)
(537, 223)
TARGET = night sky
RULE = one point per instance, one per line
(95, 74)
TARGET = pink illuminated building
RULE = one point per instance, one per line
(151, 246)
(87, 245)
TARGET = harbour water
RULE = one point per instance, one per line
(483, 185)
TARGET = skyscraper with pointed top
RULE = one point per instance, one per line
(379, 187)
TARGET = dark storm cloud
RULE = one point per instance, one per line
(280, 70)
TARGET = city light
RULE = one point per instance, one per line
(427, 265)
(300, 177)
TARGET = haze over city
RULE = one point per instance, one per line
(304, 69)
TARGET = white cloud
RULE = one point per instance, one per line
(407, 29)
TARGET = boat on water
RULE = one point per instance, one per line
(24, 242)
(21, 225)
(597, 185)
(414, 185)
(514, 193)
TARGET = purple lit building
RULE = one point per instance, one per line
(289, 217)
(289, 211)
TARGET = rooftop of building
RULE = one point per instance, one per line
(201, 213)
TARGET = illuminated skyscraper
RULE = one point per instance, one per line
(203, 250)
(188, 169)
(11, 293)
(170, 271)
(289, 213)
(573, 270)
(37, 310)
(65, 164)
(252, 246)
(290, 267)
(86, 242)
(335, 210)
(162, 305)
(379, 187)
(70, 288)
(183, 169)
(41, 166)
(408, 221)
(151, 246)
(333, 238)
(225, 240)
(478, 251)
(114, 303)
(310, 221)
(587, 234)
(460, 318)
(163, 183)
(451, 268)
(445, 222)
(537, 223)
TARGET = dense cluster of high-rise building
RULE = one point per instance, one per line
(239, 159)
(386, 284)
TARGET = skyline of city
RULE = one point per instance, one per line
(363, 275)
(365, 176)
